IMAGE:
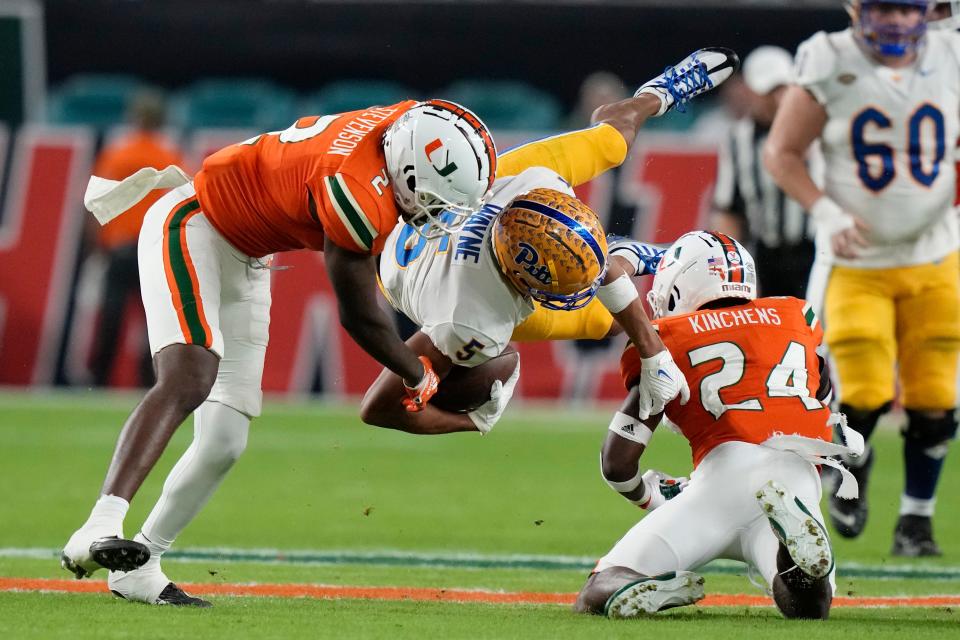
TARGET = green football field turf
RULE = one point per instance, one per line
(520, 510)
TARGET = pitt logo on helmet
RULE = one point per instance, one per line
(551, 247)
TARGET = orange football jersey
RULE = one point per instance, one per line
(752, 369)
(286, 190)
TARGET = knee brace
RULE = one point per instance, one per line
(864, 420)
(930, 433)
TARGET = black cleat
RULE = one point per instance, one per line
(849, 517)
(112, 553)
(176, 597)
(913, 538)
(117, 554)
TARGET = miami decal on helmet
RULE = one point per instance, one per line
(449, 167)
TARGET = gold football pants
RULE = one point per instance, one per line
(905, 316)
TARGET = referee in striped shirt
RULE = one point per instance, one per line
(747, 203)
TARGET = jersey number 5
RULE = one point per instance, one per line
(787, 379)
(870, 157)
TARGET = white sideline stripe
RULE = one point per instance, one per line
(448, 559)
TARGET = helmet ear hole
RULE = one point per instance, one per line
(672, 303)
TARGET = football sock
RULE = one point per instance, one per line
(108, 514)
(219, 437)
(925, 445)
(921, 469)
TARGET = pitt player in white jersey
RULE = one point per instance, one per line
(884, 98)
(528, 265)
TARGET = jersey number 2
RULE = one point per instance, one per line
(869, 155)
(787, 379)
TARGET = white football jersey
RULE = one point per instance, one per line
(452, 287)
(889, 143)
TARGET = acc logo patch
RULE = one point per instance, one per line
(733, 257)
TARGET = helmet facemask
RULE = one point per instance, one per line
(889, 40)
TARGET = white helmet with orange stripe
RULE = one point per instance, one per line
(700, 267)
(440, 159)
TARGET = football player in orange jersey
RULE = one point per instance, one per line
(336, 184)
(757, 423)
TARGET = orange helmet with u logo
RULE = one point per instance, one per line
(551, 247)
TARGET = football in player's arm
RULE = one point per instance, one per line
(480, 295)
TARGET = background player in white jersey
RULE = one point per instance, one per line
(884, 98)
(756, 423)
(528, 265)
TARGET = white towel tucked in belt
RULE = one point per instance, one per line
(107, 199)
(815, 451)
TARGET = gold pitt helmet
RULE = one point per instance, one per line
(551, 247)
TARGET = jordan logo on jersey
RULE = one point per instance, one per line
(529, 259)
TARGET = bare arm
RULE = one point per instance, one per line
(353, 276)
(800, 120)
(620, 457)
(627, 116)
(633, 320)
(381, 405)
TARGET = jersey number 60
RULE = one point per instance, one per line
(868, 155)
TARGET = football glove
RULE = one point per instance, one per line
(660, 487)
(418, 396)
(487, 414)
(660, 382)
(642, 256)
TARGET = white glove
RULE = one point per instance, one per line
(660, 487)
(660, 382)
(487, 414)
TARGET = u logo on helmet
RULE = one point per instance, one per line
(447, 169)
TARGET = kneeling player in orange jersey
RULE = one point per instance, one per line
(757, 424)
(336, 184)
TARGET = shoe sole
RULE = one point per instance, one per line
(113, 554)
(804, 537)
(654, 594)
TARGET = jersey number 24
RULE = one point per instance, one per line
(788, 378)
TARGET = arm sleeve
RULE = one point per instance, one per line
(464, 345)
(578, 156)
(815, 62)
(351, 216)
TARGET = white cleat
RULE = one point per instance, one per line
(89, 550)
(803, 535)
(150, 585)
(649, 595)
(698, 73)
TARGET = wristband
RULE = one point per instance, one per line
(627, 485)
(829, 215)
(617, 295)
(630, 428)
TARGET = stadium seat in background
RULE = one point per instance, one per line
(99, 100)
(506, 104)
(234, 103)
(348, 95)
